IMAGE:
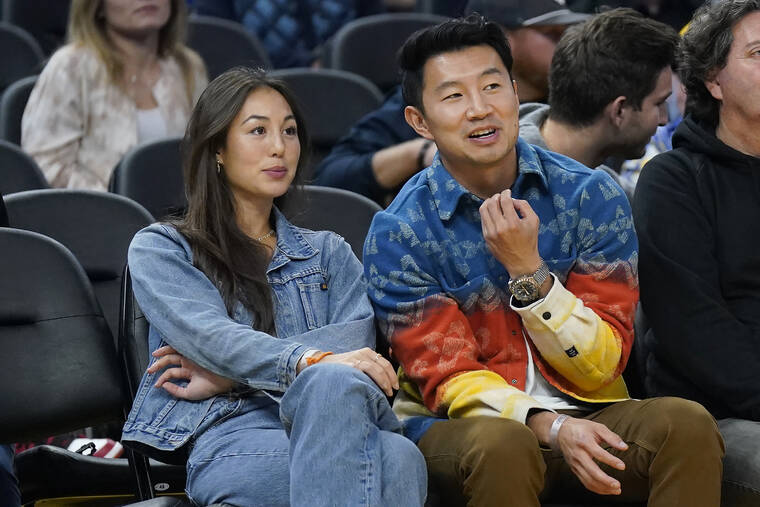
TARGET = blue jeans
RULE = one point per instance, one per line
(9, 494)
(741, 465)
(332, 440)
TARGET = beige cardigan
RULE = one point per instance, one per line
(78, 125)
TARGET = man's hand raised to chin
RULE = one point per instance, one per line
(510, 228)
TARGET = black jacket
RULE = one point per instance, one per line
(697, 215)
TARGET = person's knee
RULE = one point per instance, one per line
(503, 444)
(335, 380)
(328, 390)
(684, 422)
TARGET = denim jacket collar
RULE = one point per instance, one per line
(447, 191)
(291, 244)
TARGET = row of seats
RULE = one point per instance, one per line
(366, 46)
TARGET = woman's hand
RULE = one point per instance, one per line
(370, 362)
(202, 383)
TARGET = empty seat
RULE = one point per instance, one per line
(45, 20)
(368, 46)
(18, 171)
(223, 44)
(58, 367)
(338, 210)
(22, 55)
(151, 174)
(12, 104)
(332, 101)
(96, 227)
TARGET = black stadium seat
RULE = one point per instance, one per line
(22, 55)
(18, 171)
(332, 101)
(58, 367)
(12, 104)
(45, 20)
(367, 46)
(338, 210)
(151, 174)
(224, 44)
(96, 227)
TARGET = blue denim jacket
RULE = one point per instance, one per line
(320, 302)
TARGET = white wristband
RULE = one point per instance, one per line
(554, 431)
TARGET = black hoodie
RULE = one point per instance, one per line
(697, 215)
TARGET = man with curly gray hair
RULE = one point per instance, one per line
(696, 211)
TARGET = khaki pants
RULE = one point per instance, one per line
(673, 459)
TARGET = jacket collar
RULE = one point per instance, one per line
(447, 191)
(291, 243)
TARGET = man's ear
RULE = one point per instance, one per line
(713, 86)
(416, 120)
(617, 111)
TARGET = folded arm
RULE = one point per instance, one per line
(188, 312)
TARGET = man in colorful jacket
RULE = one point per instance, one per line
(518, 399)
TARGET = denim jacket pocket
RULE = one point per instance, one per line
(314, 300)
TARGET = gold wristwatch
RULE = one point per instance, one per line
(525, 288)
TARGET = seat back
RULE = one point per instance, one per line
(3, 213)
(18, 171)
(133, 337)
(12, 104)
(58, 367)
(223, 44)
(367, 46)
(45, 20)
(95, 226)
(22, 56)
(338, 210)
(449, 8)
(332, 101)
(151, 174)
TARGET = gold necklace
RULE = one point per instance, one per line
(265, 236)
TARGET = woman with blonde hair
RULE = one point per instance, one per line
(125, 77)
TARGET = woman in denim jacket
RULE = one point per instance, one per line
(264, 376)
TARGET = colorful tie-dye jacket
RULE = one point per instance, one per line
(442, 301)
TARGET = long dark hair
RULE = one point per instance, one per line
(229, 258)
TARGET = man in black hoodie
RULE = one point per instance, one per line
(697, 215)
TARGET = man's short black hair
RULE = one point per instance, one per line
(616, 53)
(451, 35)
(704, 51)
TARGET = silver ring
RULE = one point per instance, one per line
(378, 356)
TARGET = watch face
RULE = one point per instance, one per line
(524, 289)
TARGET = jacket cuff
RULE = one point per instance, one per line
(286, 368)
(550, 312)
